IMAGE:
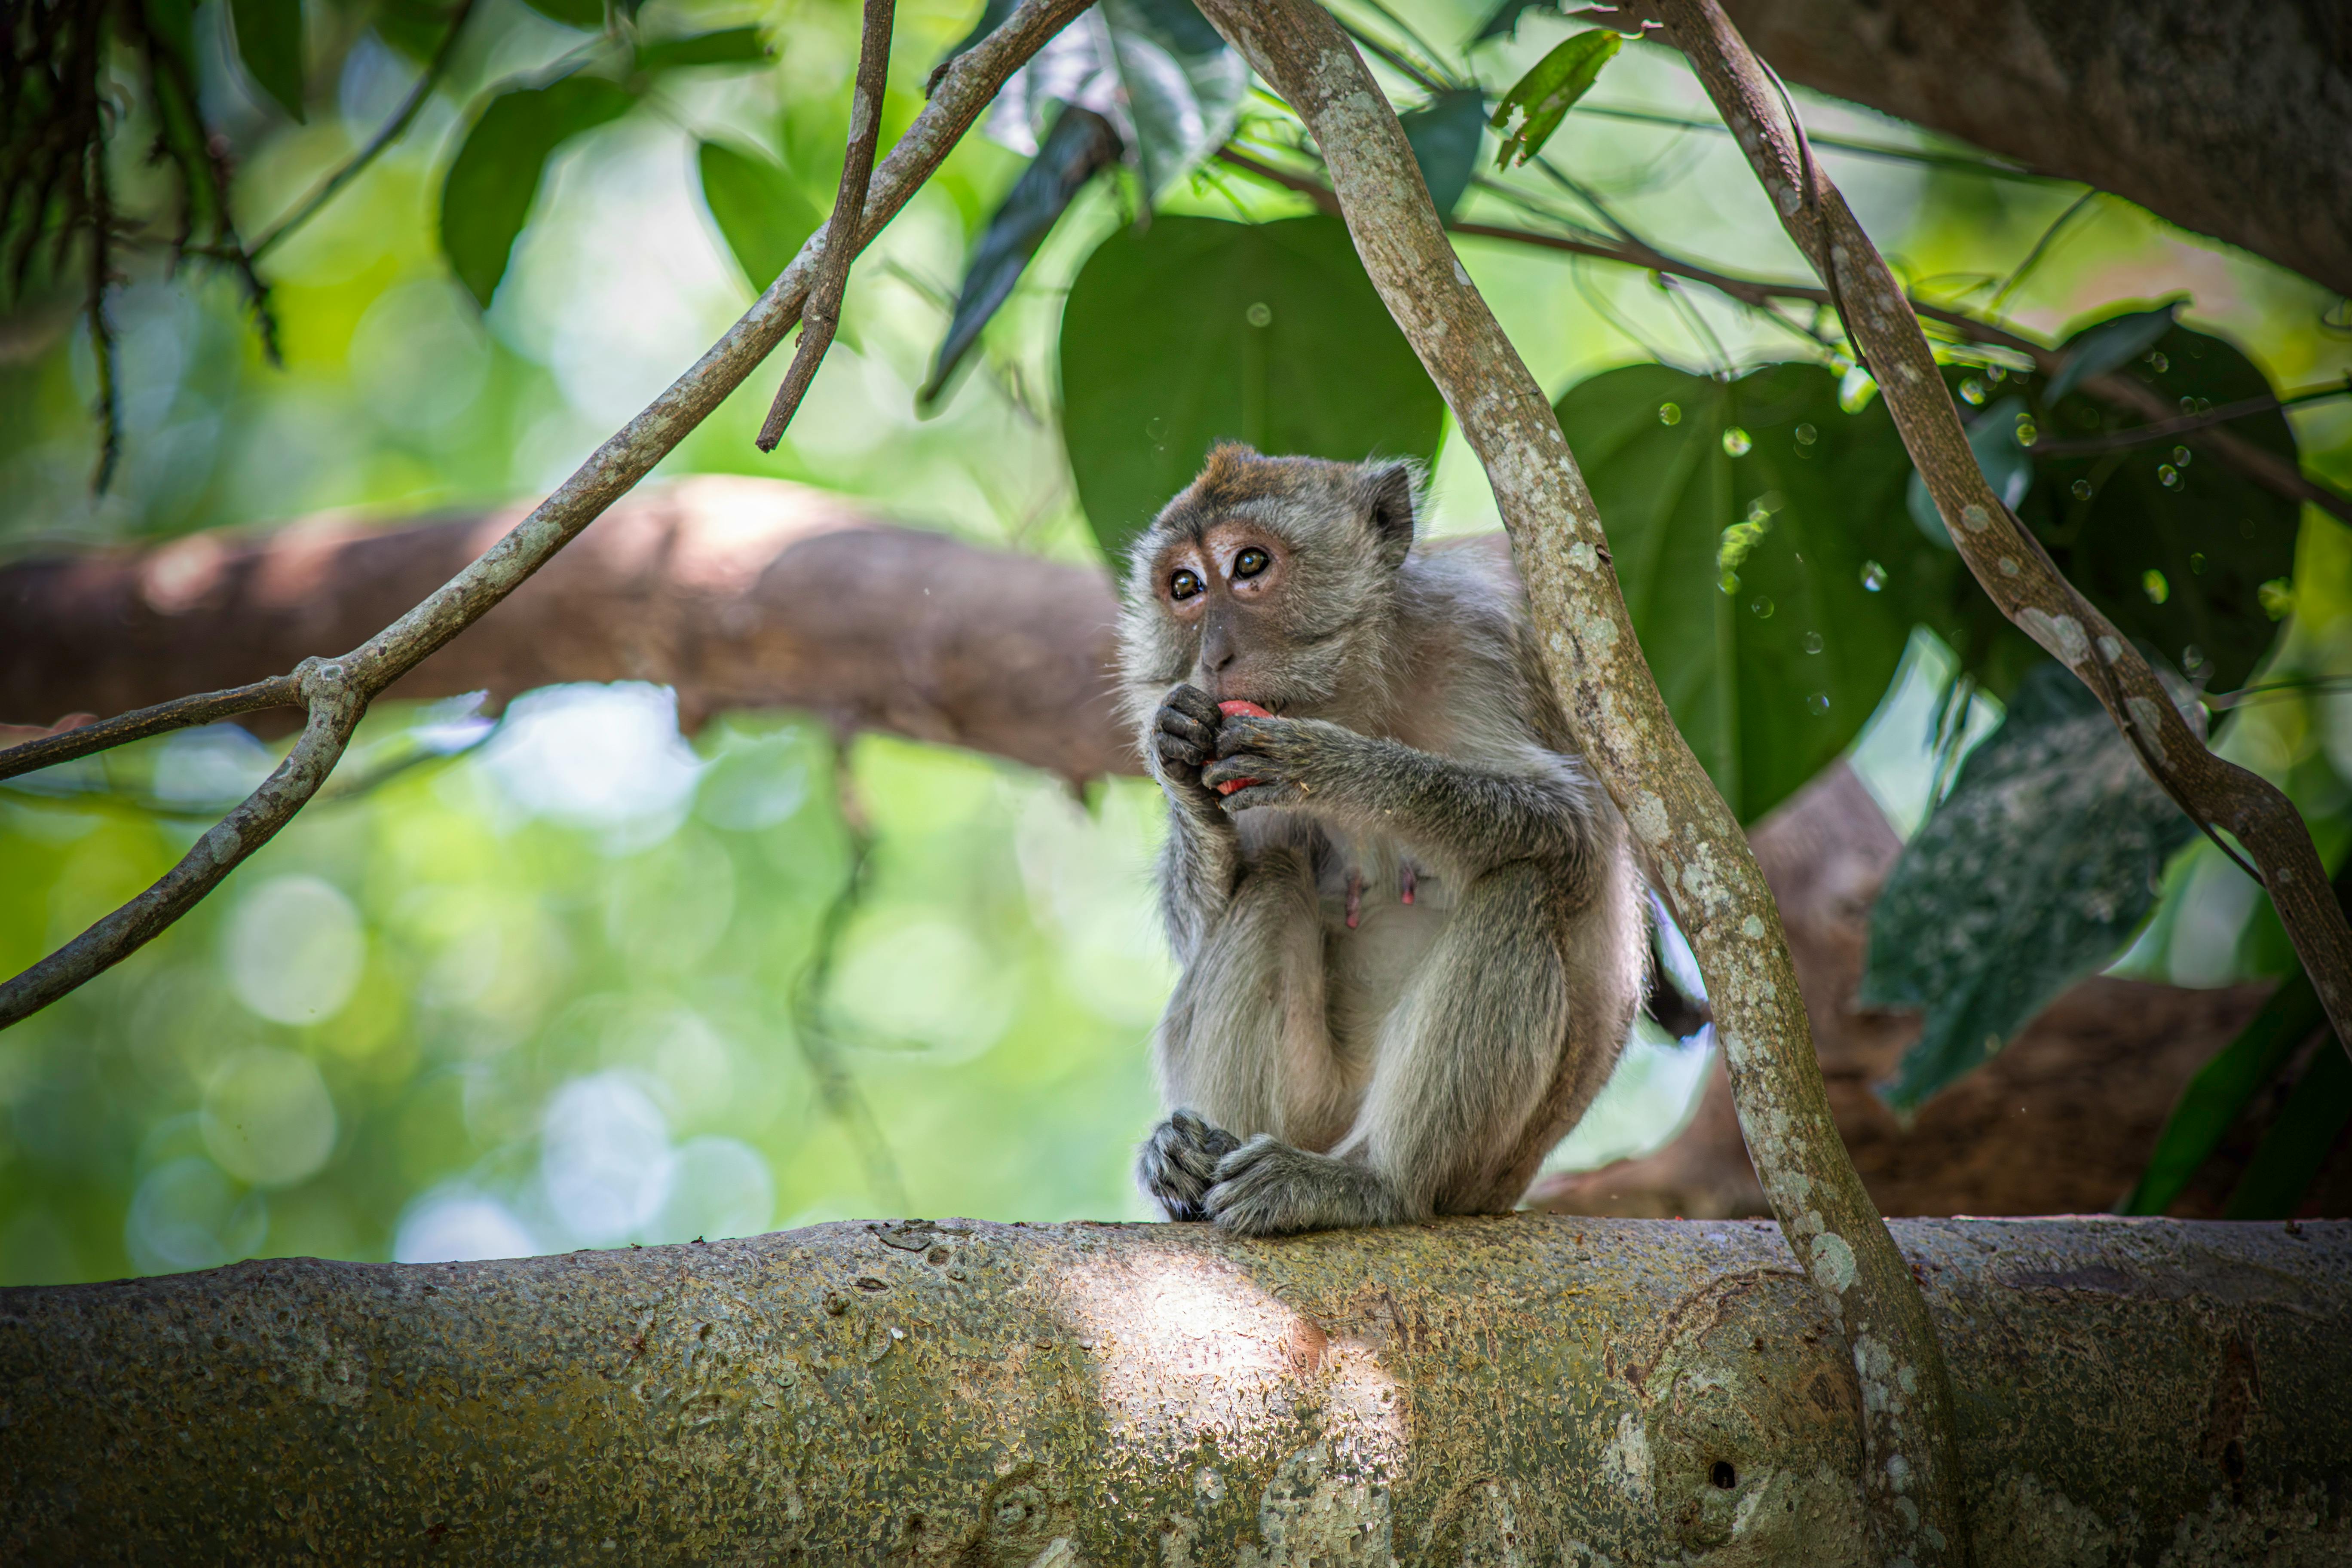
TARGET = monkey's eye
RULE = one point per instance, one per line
(1250, 562)
(1183, 585)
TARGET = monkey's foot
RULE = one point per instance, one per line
(1179, 1161)
(1268, 1188)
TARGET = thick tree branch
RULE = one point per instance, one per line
(2001, 551)
(1701, 858)
(339, 690)
(740, 593)
(2231, 120)
(1524, 1390)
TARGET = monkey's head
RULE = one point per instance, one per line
(1249, 584)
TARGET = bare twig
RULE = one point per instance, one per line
(822, 317)
(2165, 430)
(1702, 859)
(820, 1052)
(338, 691)
(390, 133)
(2259, 464)
(210, 707)
(2006, 557)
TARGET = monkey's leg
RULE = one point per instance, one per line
(1465, 1060)
(1243, 1045)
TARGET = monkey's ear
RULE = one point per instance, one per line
(1390, 486)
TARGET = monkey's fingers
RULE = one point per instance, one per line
(1175, 721)
(1242, 768)
(1175, 750)
(1195, 704)
(1248, 732)
(1258, 794)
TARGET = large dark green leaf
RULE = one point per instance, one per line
(2174, 553)
(269, 43)
(487, 195)
(2117, 341)
(1445, 135)
(1196, 331)
(2030, 875)
(726, 46)
(1748, 521)
(1081, 145)
(760, 213)
(2291, 1153)
(1543, 97)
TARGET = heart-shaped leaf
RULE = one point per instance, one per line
(269, 46)
(1196, 331)
(1758, 535)
(756, 208)
(487, 196)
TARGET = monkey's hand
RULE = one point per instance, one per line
(1282, 762)
(1179, 1161)
(1185, 738)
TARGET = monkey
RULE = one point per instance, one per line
(1410, 925)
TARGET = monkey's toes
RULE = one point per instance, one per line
(1179, 1161)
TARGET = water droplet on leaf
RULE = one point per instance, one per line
(1260, 314)
(1973, 391)
(1812, 642)
(1670, 413)
(2180, 457)
(1761, 606)
(1874, 576)
(1807, 435)
(1818, 704)
(2168, 475)
(1736, 442)
(2152, 584)
(2082, 488)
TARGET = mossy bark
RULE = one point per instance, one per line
(1531, 1389)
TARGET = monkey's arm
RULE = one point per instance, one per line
(1474, 814)
(1201, 861)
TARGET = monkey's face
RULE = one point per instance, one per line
(1249, 584)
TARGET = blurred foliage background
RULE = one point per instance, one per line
(552, 985)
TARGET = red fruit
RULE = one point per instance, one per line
(1238, 705)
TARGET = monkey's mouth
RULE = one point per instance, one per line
(1234, 705)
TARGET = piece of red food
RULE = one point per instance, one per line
(1238, 705)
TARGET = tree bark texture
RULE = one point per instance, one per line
(2228, 120)
(1526, 1390)
(739, 593)
(754, 594)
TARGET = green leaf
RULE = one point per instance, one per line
(1197, 329)
(1543, 95)
(2174, 553)
(2222, 1089)
(1446, 134)
(269, 43)
(1181, 87)
(2289, 1158)
(487, 194)
(1081, 145)
(728, 47)
(759, 211)
(992, 16)
(1736, 567)
(2031, 874)
(586, 14)
(2117, 341)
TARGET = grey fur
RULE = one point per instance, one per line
(1423, 1058)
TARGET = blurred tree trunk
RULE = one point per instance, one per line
(1529, 1389)
(2228, 119)
(754, 594)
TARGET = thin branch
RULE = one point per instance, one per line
(339, 691)
(822, 317)
(207, 707)
(336, 704)
(390, 133)
(820, 1052)
(2025, 269)
(1887, 151)
(1702, 859)
(2006, 556)
(2162, 430)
